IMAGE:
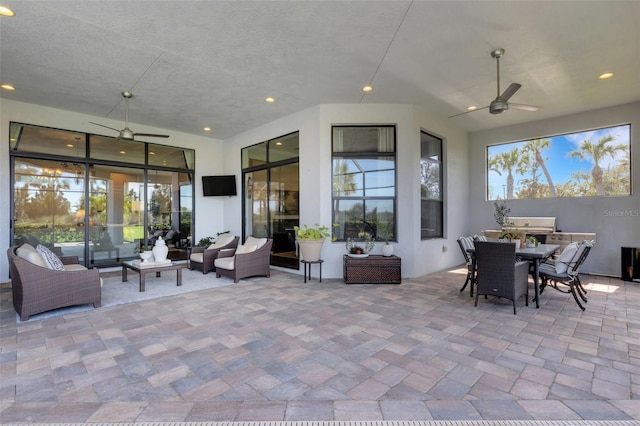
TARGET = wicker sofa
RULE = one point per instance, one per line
(38, 289)
(202, 258)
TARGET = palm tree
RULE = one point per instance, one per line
(596, 153)
(506, 161)
(535, 147)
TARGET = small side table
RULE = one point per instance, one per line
(307, 264)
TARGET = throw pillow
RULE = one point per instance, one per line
(562, 263)
(243, 248)
(258, 242)
(53, 261)
(31, 256)
(170, 235)
(222, 241)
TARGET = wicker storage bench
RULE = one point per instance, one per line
(374, 269)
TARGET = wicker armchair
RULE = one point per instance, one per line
(202, 258)
(499, 274)
(240, 264)
(37, 289)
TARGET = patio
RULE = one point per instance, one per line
(278, 349)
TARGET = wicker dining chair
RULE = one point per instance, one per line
(499, 274)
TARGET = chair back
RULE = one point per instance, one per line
(495, 261)
(578, 259)
(466, 243)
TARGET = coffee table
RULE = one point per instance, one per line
(143, 270)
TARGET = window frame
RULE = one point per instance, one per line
(367, 225)
(439, 202)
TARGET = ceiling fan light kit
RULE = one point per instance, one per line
(501, 103)
(127, 134)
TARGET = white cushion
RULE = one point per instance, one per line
(74, 267)
(31, 256)
(27, 246)
(225, 263)
(243, 248)
(222, 241)
(253, 241)
(53, 261)
(197, 257)
(565, 257)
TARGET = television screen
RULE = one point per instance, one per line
(213, 186)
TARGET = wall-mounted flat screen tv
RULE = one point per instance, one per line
(213, 186)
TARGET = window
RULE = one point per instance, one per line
(583, 164)
(364, 179)
(431, 185)
(98, 201)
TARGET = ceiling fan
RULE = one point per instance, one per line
(126, 133)
(501, 103)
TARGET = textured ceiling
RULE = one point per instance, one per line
(192, 64)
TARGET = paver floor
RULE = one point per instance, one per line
(276, 349)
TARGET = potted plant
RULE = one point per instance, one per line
(310, 240)
(513, 237)
(362, 247)
(501, 214)
(384, 233)
(531, 241)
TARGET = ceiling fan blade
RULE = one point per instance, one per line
(523, 107)
(509, 92)
(102, 125)
(150, 135)
(467, 112)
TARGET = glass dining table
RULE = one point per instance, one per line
(535, 255)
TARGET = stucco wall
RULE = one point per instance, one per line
(418, 257)
(615, 220)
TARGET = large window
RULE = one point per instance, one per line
(584, 164)
(364, 179)
(431, 185)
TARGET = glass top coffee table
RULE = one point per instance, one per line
(143, 269)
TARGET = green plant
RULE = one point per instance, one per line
(532, 240)
(501, 215)
(384, 231)
(205, 241)
(512, 235)
(364, 244)
(315, 232)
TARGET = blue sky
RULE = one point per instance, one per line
(557, 159)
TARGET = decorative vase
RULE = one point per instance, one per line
(146, 256)
(387, 250)
(160, 250)
(310, 250)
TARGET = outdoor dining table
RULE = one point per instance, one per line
(535, 255)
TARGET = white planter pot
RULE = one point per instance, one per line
(387, 250)
(310, 250)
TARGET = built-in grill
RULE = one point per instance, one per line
(532, 225)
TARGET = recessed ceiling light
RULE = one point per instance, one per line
(367, 88)
(5, 11)
(207, 129)
(123, 152)
(69, 145)
(270, 100)
(606, 75)
(7, 87)
(152, 153)
(279, 143)
(472, 108)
